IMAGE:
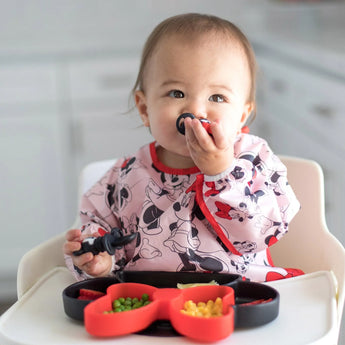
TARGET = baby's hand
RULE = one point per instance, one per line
(93, 265)
(212, 155)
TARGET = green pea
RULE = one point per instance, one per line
(137, 305)
(127, 303)
(145, 297)
(116, 304)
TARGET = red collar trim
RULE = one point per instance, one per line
(163, 168)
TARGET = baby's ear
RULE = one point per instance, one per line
(247, 110)
(140, 101)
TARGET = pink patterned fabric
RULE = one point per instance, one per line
(187, 221)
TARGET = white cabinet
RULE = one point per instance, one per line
(302, 113)
(99, 96)
(31, 186)
(32, 190)
(54, 119)
(24, 85)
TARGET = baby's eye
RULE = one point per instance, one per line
(217, 98)
(176, 94)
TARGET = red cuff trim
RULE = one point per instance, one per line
(200, 200)
(163, 168)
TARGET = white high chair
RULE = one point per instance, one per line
(309, 245)
(31, 266)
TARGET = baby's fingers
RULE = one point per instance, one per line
(69, 247)
(221, 142)
(73, 235)
(83, 260)
(196, 134)
(73, 238)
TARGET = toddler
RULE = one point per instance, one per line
(197, 202)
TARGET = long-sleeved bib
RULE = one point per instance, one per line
(187, 221)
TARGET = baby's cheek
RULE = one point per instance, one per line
(229, 131)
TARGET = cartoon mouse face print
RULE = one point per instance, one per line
(240, 213)
(117, 196)
(185, 241)
(242, 264)
(238, 173)
(241, 267)
(153, 208)
(127, 166)
(245, 246)
(256, 160)
(184, 233)
(174, 185)
(226, 211)
(146, 252)
(276, 183)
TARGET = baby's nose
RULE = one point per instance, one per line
(196, 107)
(201, 115)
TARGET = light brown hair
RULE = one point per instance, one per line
(192, 25)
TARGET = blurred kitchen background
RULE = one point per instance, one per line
(66, 70)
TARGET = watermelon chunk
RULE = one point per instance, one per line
(88, 294)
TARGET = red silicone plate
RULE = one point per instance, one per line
(200, 328)
(100, 324)
(166, 304)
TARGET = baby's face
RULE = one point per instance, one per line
(207, 77)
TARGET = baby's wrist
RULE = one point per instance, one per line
(219, 170)
(218, 176)
(217, 164)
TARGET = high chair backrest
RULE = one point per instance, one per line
(308, 245)
(92, 173)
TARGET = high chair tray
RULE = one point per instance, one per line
(307, 316)
(75, 308)
(251, 304)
